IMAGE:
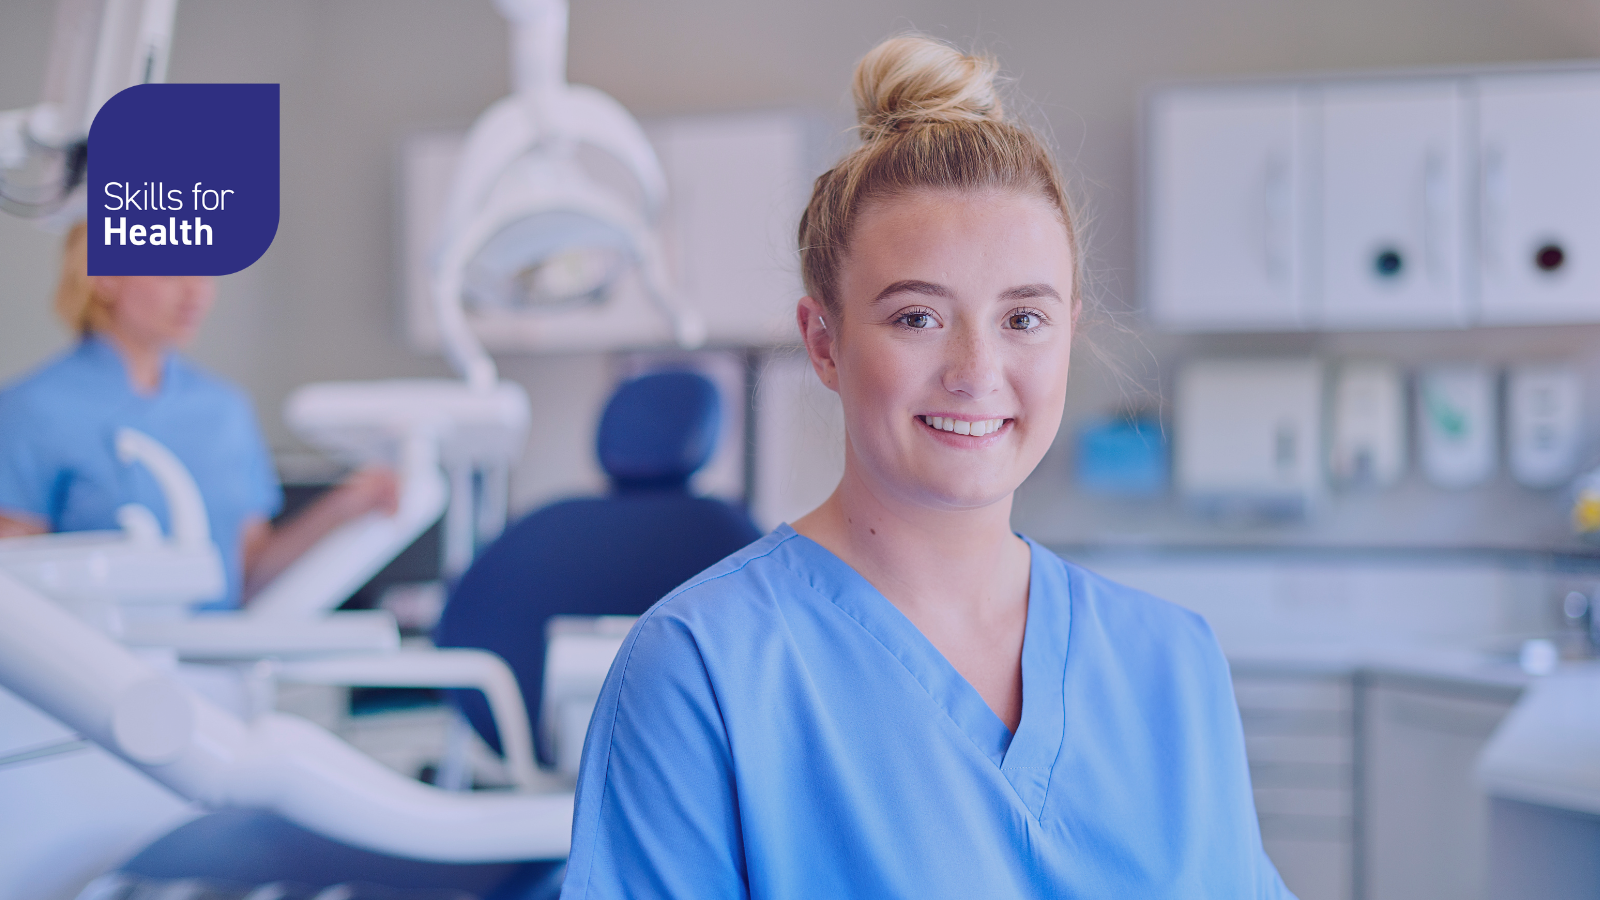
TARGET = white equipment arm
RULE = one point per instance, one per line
(452, 668)
(276, 761)
(339, 564)
(99, 47)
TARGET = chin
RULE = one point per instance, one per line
(953, 493)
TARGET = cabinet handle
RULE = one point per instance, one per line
(1491, 205)
(1277, 218)
(1435, 217)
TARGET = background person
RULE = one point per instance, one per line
(898, 696)
(58, 465)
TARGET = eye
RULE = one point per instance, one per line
(917, 319)
(1024, 319)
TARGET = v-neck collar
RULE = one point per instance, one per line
(1024, 759)
(105, 357)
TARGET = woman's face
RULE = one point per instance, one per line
(157, 310)
(951, 361)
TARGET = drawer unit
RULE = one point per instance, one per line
(1299, 735)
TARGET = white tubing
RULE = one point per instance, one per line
(279, 762)
(186, 510)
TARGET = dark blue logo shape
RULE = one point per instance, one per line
(183, 179)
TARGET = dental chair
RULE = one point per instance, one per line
(614, 555)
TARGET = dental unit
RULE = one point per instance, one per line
(97, 643)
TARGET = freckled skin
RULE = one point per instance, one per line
(953, 304)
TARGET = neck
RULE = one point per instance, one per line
(915, 555)
(143, 360)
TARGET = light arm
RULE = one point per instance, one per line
(98, 48)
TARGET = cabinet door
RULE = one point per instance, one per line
(1539, 170)
(1223, 238)
(1391, 188)
(1426, 820)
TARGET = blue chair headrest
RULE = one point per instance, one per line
(659, 429)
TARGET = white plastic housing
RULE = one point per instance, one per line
(1456, 424)
(1543, 420)
(1367, 415)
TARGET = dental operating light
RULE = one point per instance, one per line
(529, 226)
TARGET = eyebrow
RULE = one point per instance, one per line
(912, 287)
(928, 288)
(1031, 292)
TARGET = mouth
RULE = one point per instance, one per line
(976, 428)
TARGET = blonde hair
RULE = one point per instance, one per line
(77, 303)
(929, 116)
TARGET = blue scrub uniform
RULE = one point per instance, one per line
(776, 728)
(58, 457)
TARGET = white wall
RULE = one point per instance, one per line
(359, 74)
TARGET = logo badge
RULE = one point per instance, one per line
(183, 179)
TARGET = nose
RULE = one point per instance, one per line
(972, 368)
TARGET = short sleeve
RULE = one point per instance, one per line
(656, 812)
(26, 479)
(265, 496)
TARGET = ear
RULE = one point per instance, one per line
(818, 339)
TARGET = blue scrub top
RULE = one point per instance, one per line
(776, 728)
(58, 456)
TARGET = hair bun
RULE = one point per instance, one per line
(915, 80)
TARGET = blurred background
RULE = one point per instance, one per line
(1377, 505)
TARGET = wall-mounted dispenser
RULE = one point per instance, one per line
(1542, 418)
(1248, 437)
(1367, 421)
(1456, 424)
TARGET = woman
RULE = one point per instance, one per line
(897, 696)
(58, 466)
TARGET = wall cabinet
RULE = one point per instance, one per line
(1226, 244)
(1539, 193)
(1391, 185)
(1434, 201)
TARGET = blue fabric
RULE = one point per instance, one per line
(594, 556)
(58, 456)
(658, 429)
(776, 728)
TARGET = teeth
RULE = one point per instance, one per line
(958, 426)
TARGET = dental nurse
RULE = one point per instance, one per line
(58, 464)
(898, 696)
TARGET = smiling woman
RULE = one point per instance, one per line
(898, 696)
